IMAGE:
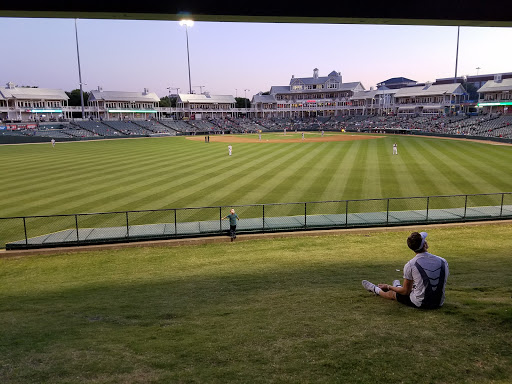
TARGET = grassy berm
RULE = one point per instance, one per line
(288, 310)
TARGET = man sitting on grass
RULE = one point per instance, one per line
(425, 278)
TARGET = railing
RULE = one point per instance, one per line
(108, 227)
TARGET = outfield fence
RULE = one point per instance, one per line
(110, 227)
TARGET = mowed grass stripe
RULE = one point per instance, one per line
(446, 172)
(51, 156)
(240, 190)
(205, 188)
(306, 185)
(286, 188)
(104, 164)
(419, 174)
(372, 181)
(485, 179)
(99, 180)
(153, 172)
(145, 193)
(344, 171)
(389, 165)
(229, 190)
(272, 172)
(323, 173)
(492, 156)
(331, 179)
(357, 174)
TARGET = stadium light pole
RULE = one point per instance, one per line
(245, 90)
(477, 69)
(79, 72)
(188, 23)
(457, 54)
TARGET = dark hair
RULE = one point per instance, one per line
(414, 241)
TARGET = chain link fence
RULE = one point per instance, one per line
(108, 227)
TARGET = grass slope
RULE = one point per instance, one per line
(284, 310)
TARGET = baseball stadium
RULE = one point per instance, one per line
(118, 266)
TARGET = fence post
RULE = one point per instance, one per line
(346, 214)
(76, 226)
(305, 215)
(263, 215)
(25, 229)
(428, 201)
(387, 213)
(127, 226)
(502, 199)
(175, 224)
(465, 206)
(220, 220)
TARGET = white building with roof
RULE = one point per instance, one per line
(31, 104)
(496, 96)
(430, 99)
(308, 97)
(117, 105)
(205, 105)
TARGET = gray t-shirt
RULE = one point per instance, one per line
(428, 274)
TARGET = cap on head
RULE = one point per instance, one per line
(416, 241)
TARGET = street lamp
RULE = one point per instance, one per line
(188, 23)
(477, 69)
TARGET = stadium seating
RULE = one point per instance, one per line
(483, 125)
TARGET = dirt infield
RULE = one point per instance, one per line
(291, 139)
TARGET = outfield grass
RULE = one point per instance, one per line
(284, 310)
(154, 173)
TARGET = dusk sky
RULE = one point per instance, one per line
(226, 58)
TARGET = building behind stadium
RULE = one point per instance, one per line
(302, 97)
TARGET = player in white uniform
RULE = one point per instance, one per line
(230, 149)
(425, 277)
(395, 149)
(53, 142)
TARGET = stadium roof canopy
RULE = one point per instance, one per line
(206, 99)
(399, 12)
(263, 99)
(123, 96)
(493, 86)
(354, 86)
(24, 93)
(431, 90)
(397, 80)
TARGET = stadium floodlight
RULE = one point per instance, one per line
(188, 23)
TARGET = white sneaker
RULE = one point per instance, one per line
(396, 283)
(370, 287)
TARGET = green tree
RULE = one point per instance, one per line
(241, 102)
(74, 98)
(471, 89)
(165, 101)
